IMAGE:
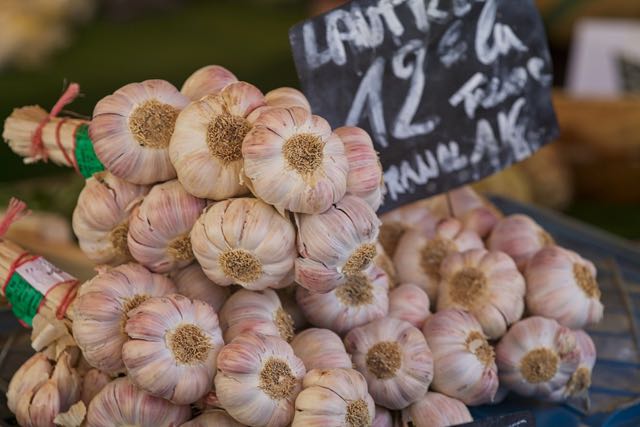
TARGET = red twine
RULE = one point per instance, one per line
(15, 211)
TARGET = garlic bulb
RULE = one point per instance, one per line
(173, 347)
(320, 349)
(520, 237)
(246, 242)
(287, 97)
(394, 358)
(92, 382)
(537, 357)
(562, 285)
(410, 303)
(383, 418)
(101, 307)
(159, 227)
(474, 211)
(294, 161)
(259, 379)
(194, 284)
(255, 311)
(334, 397)
(464, 361)
(436, 410)
(131, 130)
(335, 244)
(382, 260)
(362, 298)
(287, 297)
(487, 284)
(213, 417)
(206, 146)
(208, 80)
(121, 403)
(418, 256)
(580, 380)
(101, 217)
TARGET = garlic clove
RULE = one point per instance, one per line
(92, 382)
(45, 405)
(68, 382)
(580, 381)
(194, 284)
(409, 302)
(520, 237)
(208, 80)
(436, 410)
(214, 417)
(320, 349)
(29, 377)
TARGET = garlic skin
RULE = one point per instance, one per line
(362, 298)
(383, 418)
(92, 382)
(537, 357)
(436, 410)
(294, 161)
(418, 256)
(320, 349)
(287, 97)
(246, 242)
(208, 80)
(473, 210)
(206, 145)
(131, 130)
(194, 284)
(213, 417)
(464, 361)
(394, 358)
(121, 403)
(520, 237)
(259, 379)
(101, 307)
(101, 217)
(410, 303)
(159, 227)
(334, 397)
(578, 384)
(257, 312)
(335, 244)
(487, 284)
(562, 285)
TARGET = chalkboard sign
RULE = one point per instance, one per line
(517, 419)
(450, 90)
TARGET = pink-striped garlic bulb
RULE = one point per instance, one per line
(213, 418)
(206, 146)
(580, 381)
(246, 242)
(436, 410)
(383, 418)
(334, 397)
(418, 256)
(101, 307)
(537, 357)
(394, 358)
(474, 211)
(255, 311)
(320, 349)
(159, 227)
(194, 284)
(131, 130)
(93, 381)
(487, 284)
(208, 80)
(410, 303)
(562, 285)
(464, 361)
(259, 379)
(363, 297)
(520, 237)
(286, 97)
(294, 161)
(335, 244)
(101, 218)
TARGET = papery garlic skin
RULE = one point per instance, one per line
(246, 242)
(287, 97)
(520, 237)
(101, 307)
(208, 80)
(294, 161)
(383, 418)
(121, 403)
(394, 358)
(464, 361)
(487, 284)
(334, 397)
(131, 130)
(562, 285)
(259, 379)
(94, 381)
(213, 418)
(335, 244)
(436, 410)
(537, 357)
(101, 217)
(194, 284)
(409, 302)
(320, 349)
(206, 145)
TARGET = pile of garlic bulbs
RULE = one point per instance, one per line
(245, 279)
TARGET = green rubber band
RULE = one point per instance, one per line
(86, 158)
(24, 299)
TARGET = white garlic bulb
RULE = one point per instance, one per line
(208, 80)
(294, 161)
(578, 384)
(101, 307)
(383, 418)
(334, 397)
(487, 284)
(409, 302)
(562, 285)
(436, 410)
(101, 217)
(363, 297)
(474, 211)
(131, 130)
(206, 145)
(520, 237)
(464, 361)
(394, 358)
(259, 379)
(194, 284)
(213, 418)
(320, 349)
(335, 244)
(246, 242)
(93, 381)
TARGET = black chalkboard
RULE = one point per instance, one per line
(450, 90)
(517, 419)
